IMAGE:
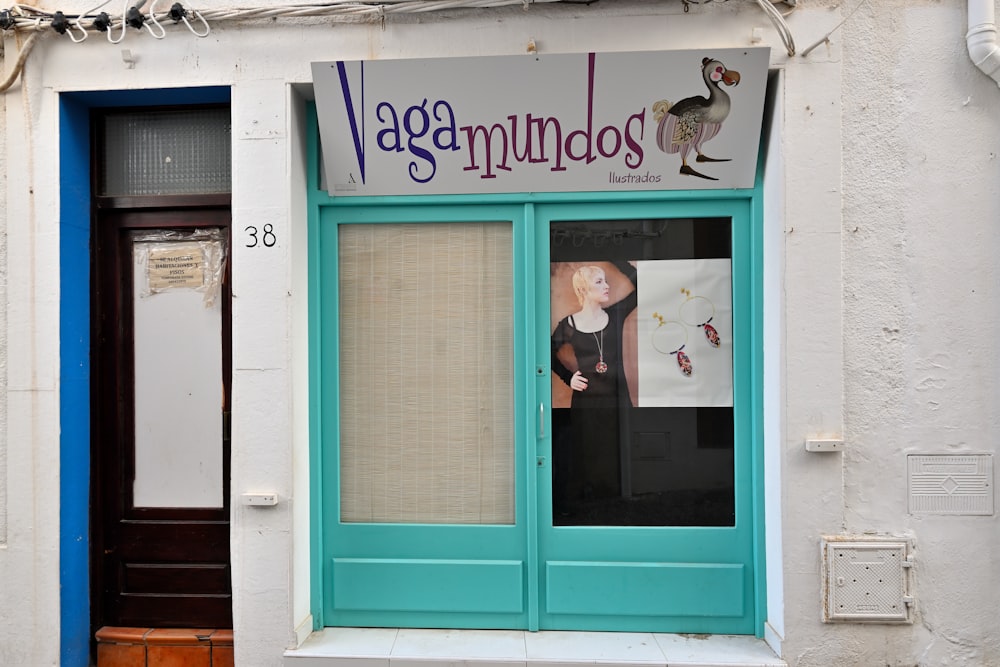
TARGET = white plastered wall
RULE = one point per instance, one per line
(774, 365)
(29, 551)
(921, 311)
(811, 348)
(882, 214)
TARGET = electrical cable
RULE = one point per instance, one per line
(96, 25)
(22, 55)
(337, 9)
(776, 17)
(784, 32)
(27, 18)
(826, 38)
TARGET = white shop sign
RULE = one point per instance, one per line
(560, 123)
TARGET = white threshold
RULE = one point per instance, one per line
(403, 647)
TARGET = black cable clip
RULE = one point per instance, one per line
(6, 20)
(134, 18)
(177, 12)
(60, 23)
(103, 22)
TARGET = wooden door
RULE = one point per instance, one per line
(160, 395)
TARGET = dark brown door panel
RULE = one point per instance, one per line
(162, 566)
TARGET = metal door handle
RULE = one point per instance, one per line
(541, 421)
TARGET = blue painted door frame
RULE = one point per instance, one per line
(74, 345)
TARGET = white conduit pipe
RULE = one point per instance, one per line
(982, 38)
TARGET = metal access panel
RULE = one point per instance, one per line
(866, 580)
(950, 484)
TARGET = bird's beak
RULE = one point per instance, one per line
(731, 77)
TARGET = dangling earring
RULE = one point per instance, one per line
(692, 319)
(666, 336)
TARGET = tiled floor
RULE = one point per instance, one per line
(376, 647)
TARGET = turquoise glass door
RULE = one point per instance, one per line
(645, 503)
(537, 415)
(421, 349)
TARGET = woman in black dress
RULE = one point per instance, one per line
(600, 394)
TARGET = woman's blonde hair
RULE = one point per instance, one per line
(582, 279)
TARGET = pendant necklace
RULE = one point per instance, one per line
(601, 367)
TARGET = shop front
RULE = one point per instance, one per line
(536, 327)
(498, 333)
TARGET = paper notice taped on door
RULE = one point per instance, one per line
(180, 265)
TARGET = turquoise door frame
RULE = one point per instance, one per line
(733, 574)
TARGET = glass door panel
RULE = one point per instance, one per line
(177, 357)
(426, 526)
(641, 508)
(642, 379)
(426, 373)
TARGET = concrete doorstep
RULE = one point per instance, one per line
(398, 647)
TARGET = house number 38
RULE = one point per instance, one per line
(267, 238)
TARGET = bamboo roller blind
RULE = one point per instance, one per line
(426, 373)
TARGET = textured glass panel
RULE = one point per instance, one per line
(178, 363)
(166, 153)
(426, 379)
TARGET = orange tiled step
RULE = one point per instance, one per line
(164, 647)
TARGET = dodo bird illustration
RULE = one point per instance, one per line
(695, 120)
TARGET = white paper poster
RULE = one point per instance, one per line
(685, 333)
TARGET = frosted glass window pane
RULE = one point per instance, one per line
(426, 373)
(166, 153)
(178, 397)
